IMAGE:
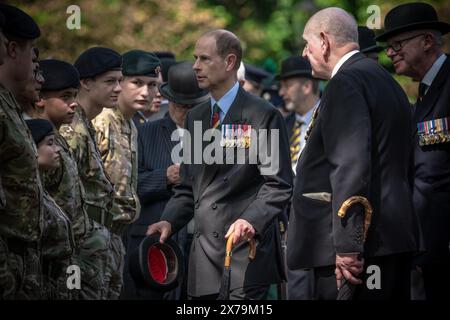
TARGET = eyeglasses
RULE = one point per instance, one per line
(398, 45)
(38, 74)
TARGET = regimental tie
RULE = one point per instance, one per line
(215, 121)
(295, 141)
(422, 89)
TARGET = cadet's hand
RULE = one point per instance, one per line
(243, 231)
(348, 266)
(173, 174)
(162, 227)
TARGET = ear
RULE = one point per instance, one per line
(230, 60)
(324, 44)
(86, 84)
(40, 105)
(428, 41)
(11, 49)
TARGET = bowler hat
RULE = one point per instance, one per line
(295, 66)
(411, 16)
(182, 86)
(366, 39)
(156, 265)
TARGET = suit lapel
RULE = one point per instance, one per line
(233, 116)
(424, 107)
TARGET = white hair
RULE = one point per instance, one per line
(241, 72)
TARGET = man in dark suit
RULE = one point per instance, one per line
(414, 44)
(157, 171)
(232, 198)
(359, 144)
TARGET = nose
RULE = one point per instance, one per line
(303, 54)
(390, 52)
(118, 87)
(196, 65)
(72, 106)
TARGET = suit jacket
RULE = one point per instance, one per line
(360, 144)
(219, 194)
(432, 172)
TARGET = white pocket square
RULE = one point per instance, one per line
(323, 196)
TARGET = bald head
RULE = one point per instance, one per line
(226, 43)
(337, 23)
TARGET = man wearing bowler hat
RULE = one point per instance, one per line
(367, 43)
(300, 92)
(414, 43)
(157, 171)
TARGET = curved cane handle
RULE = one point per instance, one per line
(367, 210)
(229, 250)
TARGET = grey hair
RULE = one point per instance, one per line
(336, 22)
(437, 36)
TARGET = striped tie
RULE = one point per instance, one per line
(295, 141)
(216, 116)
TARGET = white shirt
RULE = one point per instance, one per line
(342, 61)
(431, 74)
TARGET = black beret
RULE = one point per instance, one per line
(141, 63)
(167, 59)
(255, 74)
(18, 23)
(97, 60)
(58, 75)
(2, 20)
(39, 129)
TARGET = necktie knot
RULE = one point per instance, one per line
(215, 121)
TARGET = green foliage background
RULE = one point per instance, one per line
(270, 30)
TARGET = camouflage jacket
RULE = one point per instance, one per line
(117, 142)
(80, 136)
(57, 241)
(21, 206)
(65, 187)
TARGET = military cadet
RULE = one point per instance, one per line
(57, 238)
(57, 104)
(414, 44)
(100, 75)
(20, 220)
(254, 78)
(117, 142)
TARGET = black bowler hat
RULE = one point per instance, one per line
(39, 129)
(255, 74)
(156, 265)
(182, 86)
(295, 66)
(140, 63)
(58, 75)
(18, 23)
(411, 16)
(366, 39)
(97, 60)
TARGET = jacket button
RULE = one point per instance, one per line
(214, 206)
(197, 234)
(225, 179)
(215, 234)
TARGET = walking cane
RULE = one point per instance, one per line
(347, 289)
(224, 292)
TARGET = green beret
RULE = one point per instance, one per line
(141, 63)
(39, 129)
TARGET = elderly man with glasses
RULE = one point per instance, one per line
(414, 44)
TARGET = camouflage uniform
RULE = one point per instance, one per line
(99, 192)
(117, 142)
(21, 204)
(91, 243)
(57, 246)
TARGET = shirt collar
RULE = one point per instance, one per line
(226, 101)
(342, 61)
(431, 74)
(306, 119)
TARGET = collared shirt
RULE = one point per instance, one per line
(305, 120)
(431, 74)
(342, 61)
(226, 101)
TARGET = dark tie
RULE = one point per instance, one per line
(422, 89)
(215, 121)
(295, 141)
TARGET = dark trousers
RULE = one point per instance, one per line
(325, 287)
(436, 280)
(247, 293)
